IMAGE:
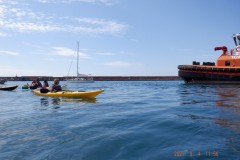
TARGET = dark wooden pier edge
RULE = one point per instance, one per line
(98, 78)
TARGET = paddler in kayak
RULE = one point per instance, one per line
(56, 87)
(45, 84)
(36, 84)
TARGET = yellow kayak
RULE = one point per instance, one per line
(70, 94)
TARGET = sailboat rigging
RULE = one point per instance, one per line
(81, 78)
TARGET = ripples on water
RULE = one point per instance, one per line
(130, 120)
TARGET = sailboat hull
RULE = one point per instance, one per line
(79, 81)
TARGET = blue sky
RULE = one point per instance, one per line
(116, 37)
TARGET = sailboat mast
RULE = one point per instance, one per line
(77, 57)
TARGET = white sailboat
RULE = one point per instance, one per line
(81, 78)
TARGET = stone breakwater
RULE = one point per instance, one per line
(98, 78)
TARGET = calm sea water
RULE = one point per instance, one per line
(130, 120)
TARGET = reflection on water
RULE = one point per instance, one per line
(56, 102)
(202, 98)
(195, 117)
(229, 97)
(44, 102)
(229, 101)
(86, 100)
(235, 125)
(53, 101)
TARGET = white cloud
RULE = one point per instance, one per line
(105, 2)
(99, 26)
(18, 12)
(9, 53)
(121, 64)
(15, 70)
(43, 1)
(1, 11)
(112, 54)
(19, 19)
(106, 54)
(62, 51)
(3, 34)
(118, 64)
(28, 26)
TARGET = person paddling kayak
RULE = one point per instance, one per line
(35, 84)
(45, 84)
(56, 87)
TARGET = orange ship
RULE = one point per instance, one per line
(226, 69)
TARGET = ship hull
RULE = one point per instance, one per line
(209, 75)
